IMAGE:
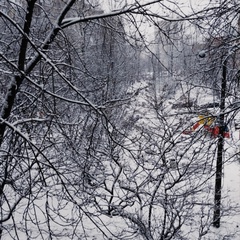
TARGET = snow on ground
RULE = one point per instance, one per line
(230, 221)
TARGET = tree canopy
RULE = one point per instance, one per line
(94, 104)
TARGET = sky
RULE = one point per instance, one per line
(184, 5)
(181, 6)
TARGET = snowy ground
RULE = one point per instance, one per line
(230, 221)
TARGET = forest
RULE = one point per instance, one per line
(119, 120)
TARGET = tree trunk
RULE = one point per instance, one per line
(220, 150)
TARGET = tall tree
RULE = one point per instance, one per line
(86, 149)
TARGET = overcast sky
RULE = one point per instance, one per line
(183, 5)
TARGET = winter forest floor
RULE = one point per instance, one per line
(230, 220)
(142, 109)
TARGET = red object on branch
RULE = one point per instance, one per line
(215, 131)
(196, 125)
(187, 132)
(226, 135)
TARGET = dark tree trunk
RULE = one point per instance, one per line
(218, 180)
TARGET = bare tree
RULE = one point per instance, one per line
(84, 153)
